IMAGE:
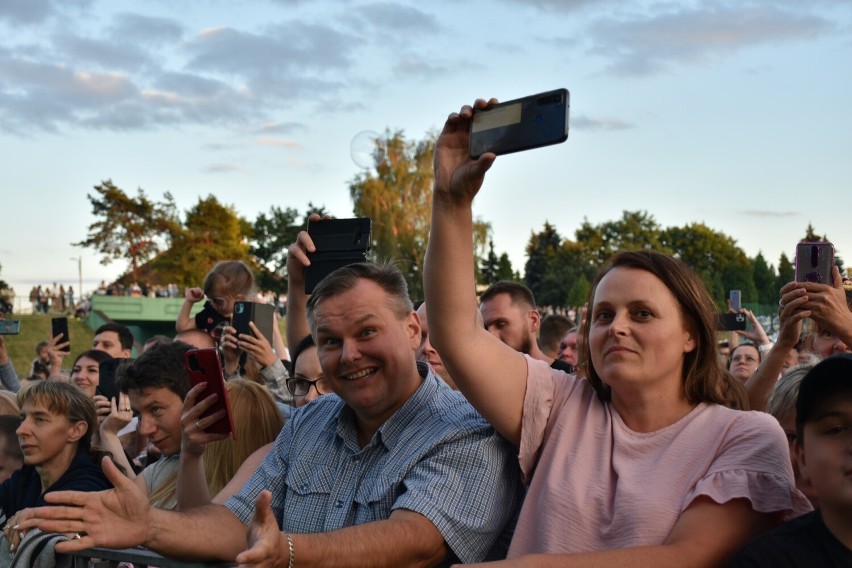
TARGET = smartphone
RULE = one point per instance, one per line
(204, 365)
(339, 242)
(736, 300)
(10, 327)
(522, 124)
(814, 262)
(59, 326)
(263, 316)
(107, 371)
(731, 322)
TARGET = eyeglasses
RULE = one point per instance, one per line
(300, 386)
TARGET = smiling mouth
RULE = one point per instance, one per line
(360, 374)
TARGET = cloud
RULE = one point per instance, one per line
(598, 124)
(650, 44)
(222, 168)
(279, 128)
(26, 11)
(767, 213)
(107, 54)
(383, 16)
(558, 5)
(280, 142)
(139, 29)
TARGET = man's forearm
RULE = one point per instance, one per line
(211, 532)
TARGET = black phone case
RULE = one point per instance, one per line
(263, 316)
(731, 322)
(204, 365)
(60, 326)
(338, 242)
(543, 121)
(107, 372)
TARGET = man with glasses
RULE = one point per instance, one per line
(393, 469)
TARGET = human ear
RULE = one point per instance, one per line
(412, 328)
(77, 431)
(798, 456)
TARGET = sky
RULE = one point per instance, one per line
(734, 113)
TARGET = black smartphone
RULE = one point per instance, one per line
(204, 366)
(10, 327)
(736, 300)
(339, 242)
(263, 316)
(814, 262)
(731, 322)
(107, 371)
(522, 124)
(59, 326)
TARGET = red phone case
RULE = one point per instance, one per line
(203, 365)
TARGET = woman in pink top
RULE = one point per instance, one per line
(647, 462)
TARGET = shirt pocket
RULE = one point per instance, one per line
(309, 488)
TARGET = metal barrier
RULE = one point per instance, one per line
(107, 557)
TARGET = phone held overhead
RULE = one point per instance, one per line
(814, 262)
(338, 242)
(59, 326)
(10, 327)
(521, 124)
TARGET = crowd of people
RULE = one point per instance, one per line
(457, 430)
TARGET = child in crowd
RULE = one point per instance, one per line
(229, 281)
(823, 450)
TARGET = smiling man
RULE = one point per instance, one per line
(394, 469)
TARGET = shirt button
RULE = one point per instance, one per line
(338, 503)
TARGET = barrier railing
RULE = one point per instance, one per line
(107, 557)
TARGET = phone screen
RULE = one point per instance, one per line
(10, 327)
(59, 326)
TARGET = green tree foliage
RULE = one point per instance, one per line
(764, 278)
(132, 228)
(271, 235)
(505, 270)
(636, 230)
(542, 250)
(578, 293)
(397, 195)
(211, 232)
(786, 273)
(722, 265)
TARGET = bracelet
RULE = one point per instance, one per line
(292, 563)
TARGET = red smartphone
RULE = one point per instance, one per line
(204, 366)
(814, 262)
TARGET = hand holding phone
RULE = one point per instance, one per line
(204, 366)
(521, 124)
(263, 316)
(59, 326)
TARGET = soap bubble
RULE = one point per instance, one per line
(365, 150)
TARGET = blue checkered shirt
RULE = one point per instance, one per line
(435, 456)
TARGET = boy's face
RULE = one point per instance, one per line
(825, 458)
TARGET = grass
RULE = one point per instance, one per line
(35, 328)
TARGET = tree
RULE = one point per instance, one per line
(397, 195)
(578, 293)
(489, 266)
(211, 232)
(542, 250)
(812, 237)
(505, 270)
(764, 277)
(636, 230)
(722, 265)
(130, 228)
(271, 235)
(786, 273)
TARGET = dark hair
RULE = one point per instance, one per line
(40, 345)
(553, 328)
(519, 293)
(827, 379)
(704, 380)
(387, 276)
(94, 354)
(161, 366)
(232, 275)
(307, 341)
(8, 433)
(125, 337)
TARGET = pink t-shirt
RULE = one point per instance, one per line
(597, 485)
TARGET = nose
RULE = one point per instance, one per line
(147, 427)
(840, 347)
(349, 351)
(23, 430)
(313, 393)
(427, 346)
(619, 323)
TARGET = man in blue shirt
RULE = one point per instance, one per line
(394, 469)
